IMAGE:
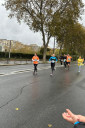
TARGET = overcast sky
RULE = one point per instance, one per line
(11, 30)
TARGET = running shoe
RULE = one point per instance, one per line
(51, 74)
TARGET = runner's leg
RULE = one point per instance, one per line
(51, 68)
(53, 65)
(68, 65)
(65, 64)
(34, 70)
(36, 67)
(79, 68)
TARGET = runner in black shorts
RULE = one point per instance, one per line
(68, 59)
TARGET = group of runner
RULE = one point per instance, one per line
(66, 59)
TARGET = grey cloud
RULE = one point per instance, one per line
(11, 30)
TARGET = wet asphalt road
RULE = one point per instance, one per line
(41, 99)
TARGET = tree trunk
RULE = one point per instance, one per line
(44, 54)
(60, 51)
(45, 44)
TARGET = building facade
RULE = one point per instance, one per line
(5, 45)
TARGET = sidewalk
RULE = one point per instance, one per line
(15, 62)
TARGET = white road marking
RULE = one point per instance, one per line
(27, 70)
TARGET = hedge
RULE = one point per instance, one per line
(20, 55)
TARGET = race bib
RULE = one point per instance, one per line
(68, 58)
(64, 60)
(35, 59)
(52, 61)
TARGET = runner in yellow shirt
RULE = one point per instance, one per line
(80, 63)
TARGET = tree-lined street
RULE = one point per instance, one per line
(40, 99)
(31, 99)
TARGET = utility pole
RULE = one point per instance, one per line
(9, 48)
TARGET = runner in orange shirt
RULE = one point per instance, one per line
(68, 60)
(35, 60)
